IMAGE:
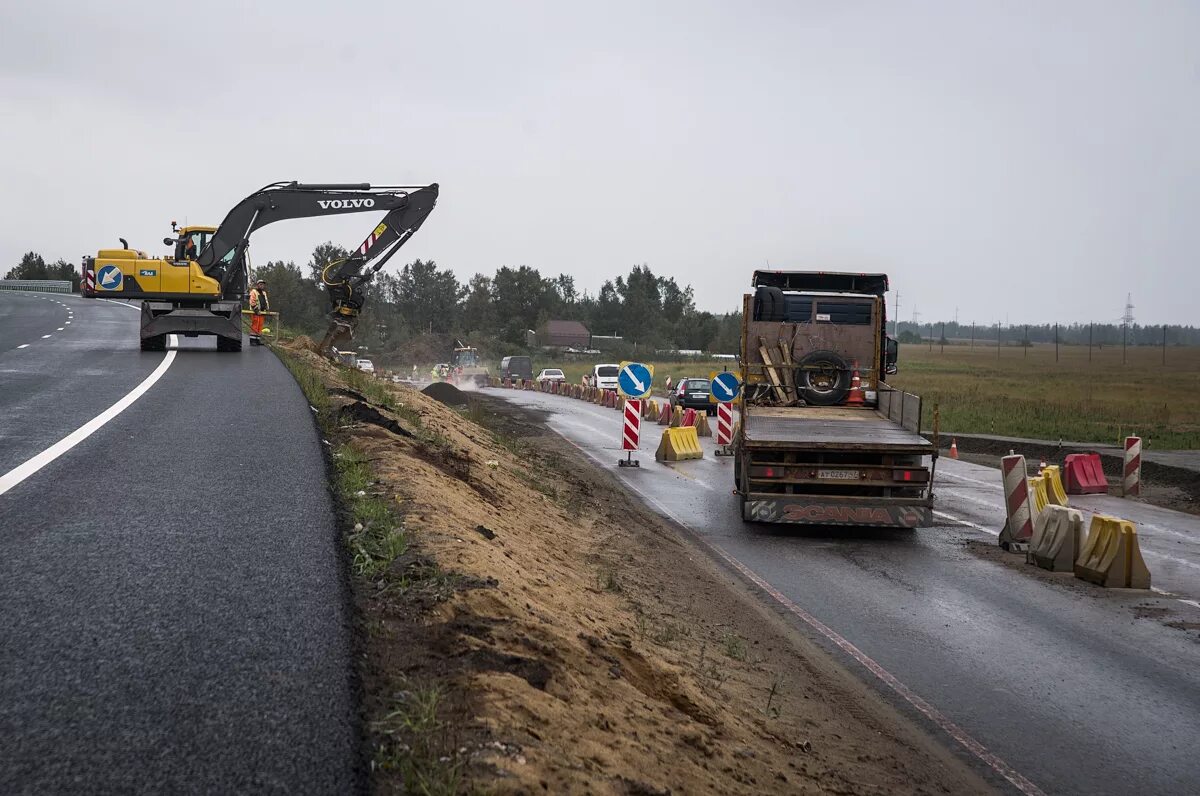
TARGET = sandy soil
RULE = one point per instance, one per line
(577, 651)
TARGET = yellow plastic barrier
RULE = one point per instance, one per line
(1038, 499)
(677, 417)
(1111, 556)
(649, 409)
(1055, 492)
(702, 428)
(679, 444)
(1057, 539)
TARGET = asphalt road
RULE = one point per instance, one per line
(1046, 683)
(175, 614)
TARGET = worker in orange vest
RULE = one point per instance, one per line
(260, 304)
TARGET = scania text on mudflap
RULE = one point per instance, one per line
(823, 439)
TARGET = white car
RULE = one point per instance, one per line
(605, 376)
(366, 366)
(550, 374)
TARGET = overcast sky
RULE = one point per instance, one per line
(1022, 161)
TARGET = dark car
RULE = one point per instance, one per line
(692, 394)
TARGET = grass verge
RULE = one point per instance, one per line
(409, 740)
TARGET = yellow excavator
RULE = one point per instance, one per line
(199, 288)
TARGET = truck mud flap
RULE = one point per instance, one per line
(803, 510)
(223, 320)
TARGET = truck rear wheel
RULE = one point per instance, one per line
(156, 343)
(823, 378)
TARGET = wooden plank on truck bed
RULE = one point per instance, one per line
(772, 375)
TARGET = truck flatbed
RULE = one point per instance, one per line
(834, 428)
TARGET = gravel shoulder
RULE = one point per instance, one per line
(541, 631)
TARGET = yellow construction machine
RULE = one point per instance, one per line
(198, 288)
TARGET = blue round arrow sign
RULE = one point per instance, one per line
(634, 380)
(726, 387)
(109, 277)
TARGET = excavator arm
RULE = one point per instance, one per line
(224, 258)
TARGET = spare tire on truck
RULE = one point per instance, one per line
(823, 378)
(769, 304)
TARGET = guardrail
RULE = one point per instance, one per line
(37, 285)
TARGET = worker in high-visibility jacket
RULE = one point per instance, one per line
(260, 304)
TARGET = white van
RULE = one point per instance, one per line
(366, 366)
(605, 376)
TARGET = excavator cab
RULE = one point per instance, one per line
(190, 242)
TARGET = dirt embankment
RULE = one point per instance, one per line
(539, 632)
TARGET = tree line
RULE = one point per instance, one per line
(1099, 334)
(495, 312)
(32, 266)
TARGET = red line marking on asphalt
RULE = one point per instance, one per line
(887, 678)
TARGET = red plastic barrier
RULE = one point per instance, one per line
(1084, 475)
(689, 417)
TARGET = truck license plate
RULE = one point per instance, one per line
(840, 475)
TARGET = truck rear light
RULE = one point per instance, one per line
(919, 476)
(767, 472)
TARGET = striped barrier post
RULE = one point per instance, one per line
(724, 429)
(631, 431)
(1018, 525)
(1131, 483)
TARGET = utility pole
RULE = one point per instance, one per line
(896, 323)
(1164, 344)
(1126, 322)
(1025, 344)
(1056, 342)
(943, 340)
(972, 334)
(1090, 326)
(997, 341)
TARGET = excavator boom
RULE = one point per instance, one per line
(407, 207)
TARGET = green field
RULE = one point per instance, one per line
(1026, 393)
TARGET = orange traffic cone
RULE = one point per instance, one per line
(953, 448)
(855, 398)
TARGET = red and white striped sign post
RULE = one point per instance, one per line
(631, 431)
(724, 429)
(1018, 525)
(1131, 481)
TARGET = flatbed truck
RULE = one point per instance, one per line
(823, 439)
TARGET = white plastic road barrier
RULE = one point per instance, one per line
(1018, 525)
(1057, 539)
(1131, 483)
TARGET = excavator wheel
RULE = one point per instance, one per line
(156, 343)
(226, 344)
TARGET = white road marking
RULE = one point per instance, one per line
(23, 345)
(967, 523)
(59, 329)
(999, 487)
(28, 468)
(45, 336)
